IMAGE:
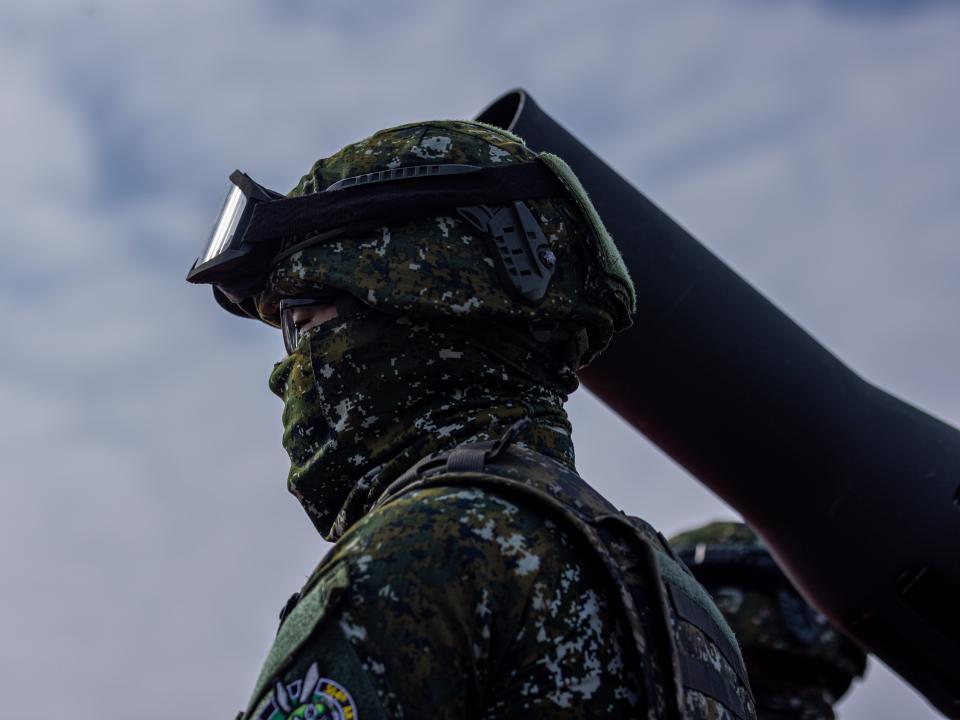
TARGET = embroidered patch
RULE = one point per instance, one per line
(312, 698)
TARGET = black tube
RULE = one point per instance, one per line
(856, 492)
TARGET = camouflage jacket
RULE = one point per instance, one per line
(492, 582)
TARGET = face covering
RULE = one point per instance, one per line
(368, 395)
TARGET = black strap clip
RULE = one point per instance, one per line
(473, 457)
(288, 608)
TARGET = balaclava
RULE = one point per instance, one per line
(435, 350)
(367, 395)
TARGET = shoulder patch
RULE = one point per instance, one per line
(309, 698)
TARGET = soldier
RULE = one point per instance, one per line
(799, 665)
(438, 285)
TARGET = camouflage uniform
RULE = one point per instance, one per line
(799, 665)
(474, 573)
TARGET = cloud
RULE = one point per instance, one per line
(143, 514)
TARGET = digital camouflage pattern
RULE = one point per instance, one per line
(367, 395)
(478, 609)
(474, 596)
(799, 664)
(468, 601)
(441, 266)
(440, 351)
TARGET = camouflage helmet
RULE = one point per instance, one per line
(445, 265)
(787, 639)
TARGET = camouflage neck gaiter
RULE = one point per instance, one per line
(368, 395)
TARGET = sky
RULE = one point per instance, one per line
(146, 538)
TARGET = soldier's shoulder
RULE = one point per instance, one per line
(463, 513)
(453, 531)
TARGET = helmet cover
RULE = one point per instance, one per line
(442, 266)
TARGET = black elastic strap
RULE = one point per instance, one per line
(692, 612)
(466, 459)
(705, 678)
(399, 199)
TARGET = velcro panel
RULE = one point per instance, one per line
(300, 624)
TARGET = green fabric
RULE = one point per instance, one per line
(673, 574)
(441, 266)
(367, 395)
(339, 662)
(734, 535)
(498, 130)
(520, 472)
(611, 261)
(300, 623)
(465, 604)
(475, 596)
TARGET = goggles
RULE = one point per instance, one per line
(248, 235)
(225, 261)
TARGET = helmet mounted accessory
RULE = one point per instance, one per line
(249, 232)
(523, 256)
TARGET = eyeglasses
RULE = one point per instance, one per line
(291, 329)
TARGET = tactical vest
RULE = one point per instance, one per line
(690, 662)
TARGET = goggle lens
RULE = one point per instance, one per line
(226, 226)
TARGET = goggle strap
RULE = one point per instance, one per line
(310, 241)
(399, 199)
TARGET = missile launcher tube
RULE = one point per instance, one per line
(856, 492)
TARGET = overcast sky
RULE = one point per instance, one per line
(146, 538)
